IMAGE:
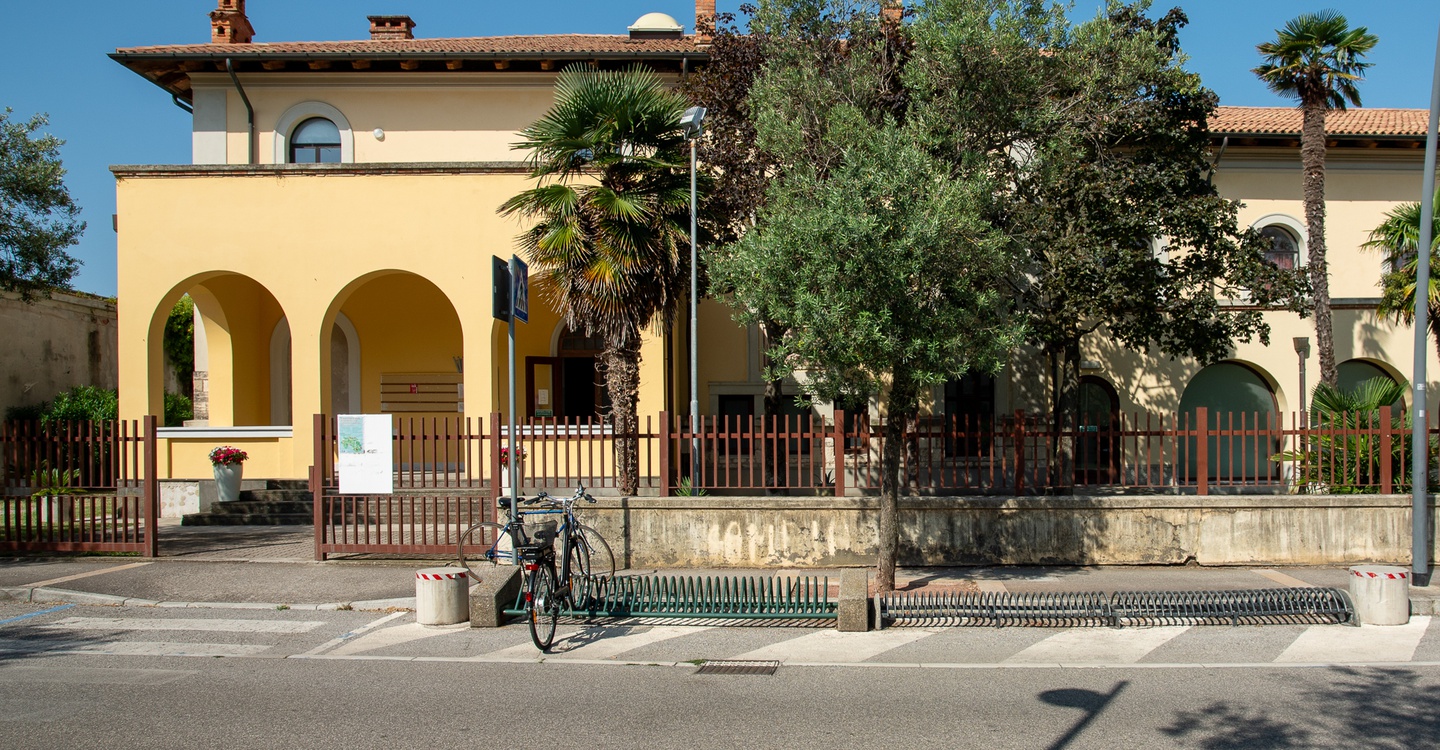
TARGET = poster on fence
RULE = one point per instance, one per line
(365, 462)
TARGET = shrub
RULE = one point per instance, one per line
(178, 408)
(81, 403)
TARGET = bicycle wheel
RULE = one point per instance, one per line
(544, 606)
(602, 560)
(581, 584)
(482, 539)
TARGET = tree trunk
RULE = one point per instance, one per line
(621, 363)
(774, 402)
(1312, 159)
(899, 405)
(1065, 386)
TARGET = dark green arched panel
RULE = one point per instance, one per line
(1238, 398)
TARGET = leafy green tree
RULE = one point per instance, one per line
(38, 220)
(1317, 59)
(179, 343)
(611, 210)
(1106, 197)
(870, 252)
(1397, 237)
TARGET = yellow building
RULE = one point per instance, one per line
(337, 223)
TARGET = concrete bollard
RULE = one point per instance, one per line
(852, 612)
(1381, 594)
(442, 596)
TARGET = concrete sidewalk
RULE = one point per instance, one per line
(274, 567)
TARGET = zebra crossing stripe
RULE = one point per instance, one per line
(191, 625)
(410, 631)
(835, 647)
(129, 648)
(1097, 646)
(1340, 644)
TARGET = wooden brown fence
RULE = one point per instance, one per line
(83, 486)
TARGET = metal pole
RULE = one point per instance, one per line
(510, 434)
(694, 374)
(1419, 448)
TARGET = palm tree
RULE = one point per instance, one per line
(611, 210)
(1397, 237)
(1316, 58)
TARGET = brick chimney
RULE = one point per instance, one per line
(228, 24)
(704, 22)
(390, 28)
(891, 11)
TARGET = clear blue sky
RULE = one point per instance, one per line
(52, 59)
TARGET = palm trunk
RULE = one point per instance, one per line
(1312, 159)
(621, 362)
(900, 405)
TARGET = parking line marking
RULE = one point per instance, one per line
(1367, 643)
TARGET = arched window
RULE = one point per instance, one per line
(315, 141)
(1284, 250)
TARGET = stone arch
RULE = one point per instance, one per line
(238, 317)
(303, 111)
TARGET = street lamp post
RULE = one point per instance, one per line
(693, 122)
(1419, 446)
(1302, 349)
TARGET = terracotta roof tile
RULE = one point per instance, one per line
(490, 45)
(1350, 122)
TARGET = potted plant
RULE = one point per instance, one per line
(227, 462)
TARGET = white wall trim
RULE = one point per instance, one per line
(225, 433)
(304, 111)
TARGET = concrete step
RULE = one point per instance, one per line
(261, 507)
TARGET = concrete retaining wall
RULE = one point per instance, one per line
(54, 344)
(1151, 530)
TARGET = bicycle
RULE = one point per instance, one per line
(587, 566)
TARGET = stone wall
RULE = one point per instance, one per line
(1130, 530)
(53, 345)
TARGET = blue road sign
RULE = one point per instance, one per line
(520, 289)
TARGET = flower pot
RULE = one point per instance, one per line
(227, 481)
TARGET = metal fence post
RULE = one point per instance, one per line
(1202, 450)
(495, 460)
(317, 486)
(1019, 452)
(665, 454)
(1387, 473)
(839, 452)
(152, 488)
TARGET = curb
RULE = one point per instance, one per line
(65, 596)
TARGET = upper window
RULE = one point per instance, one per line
(315, 141)
(1284, 250)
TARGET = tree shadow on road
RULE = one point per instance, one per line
(1366, 707)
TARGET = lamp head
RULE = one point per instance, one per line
(693, 121)
(1302, 345)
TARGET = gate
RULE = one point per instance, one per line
(84, 486)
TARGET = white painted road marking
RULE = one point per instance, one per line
(835, 647)
(1281, 578)
(196, 625)
(130, 648)
(595, 643)
(78, 576)
(1097, 646)
(1343, 644)
(395, 636)
(357, 631)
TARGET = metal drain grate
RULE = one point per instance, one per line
(736, 666)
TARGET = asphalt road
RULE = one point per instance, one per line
(110, 702)
(80, 677)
